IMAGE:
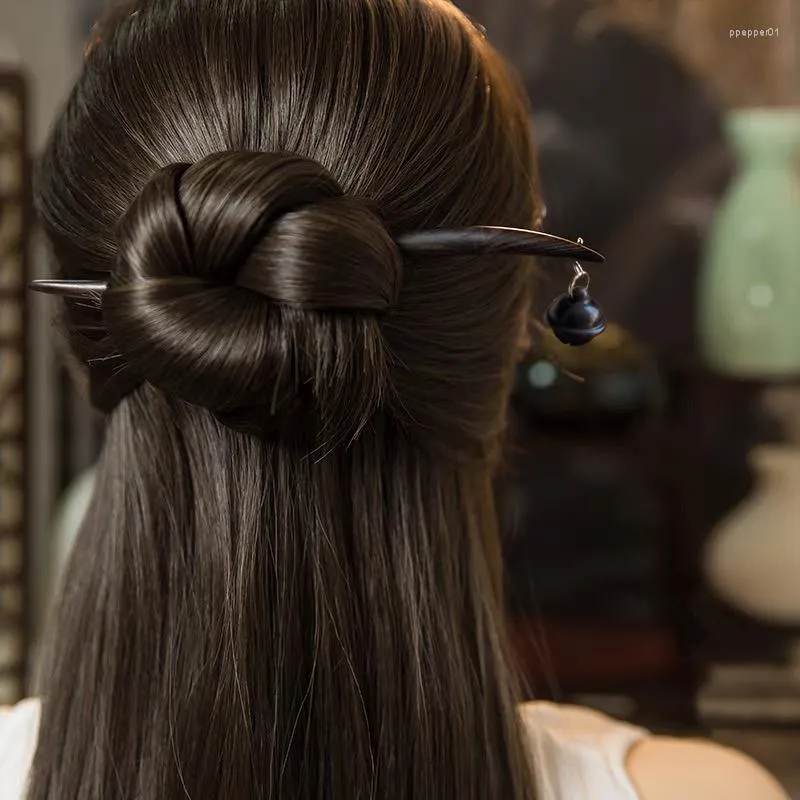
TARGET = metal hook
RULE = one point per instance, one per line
(578, 274)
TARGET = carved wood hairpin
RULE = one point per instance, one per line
(574, 317)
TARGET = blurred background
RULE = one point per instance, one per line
(651, 497)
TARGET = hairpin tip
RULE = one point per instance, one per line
(67, 288)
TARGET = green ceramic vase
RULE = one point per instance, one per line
(749, 293)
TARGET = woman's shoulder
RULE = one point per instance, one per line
(664, 768)
(575, 747)
(19, 728)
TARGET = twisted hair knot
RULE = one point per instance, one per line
(250, 284)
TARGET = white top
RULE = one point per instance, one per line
(579, 754)
(19, 727)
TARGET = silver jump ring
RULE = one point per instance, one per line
(580, 274)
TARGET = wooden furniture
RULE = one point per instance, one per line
(14, 539)
(690, 464)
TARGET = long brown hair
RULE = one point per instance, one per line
(286, 584)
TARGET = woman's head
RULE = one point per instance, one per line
(234, 165)
(286, 582)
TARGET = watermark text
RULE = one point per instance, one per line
(752, 33)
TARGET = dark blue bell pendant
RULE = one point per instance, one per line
(575, 318)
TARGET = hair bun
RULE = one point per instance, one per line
(220, 264)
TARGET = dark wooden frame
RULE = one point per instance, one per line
(15, 539)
